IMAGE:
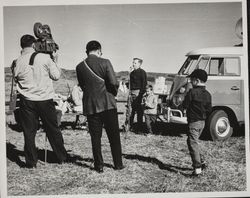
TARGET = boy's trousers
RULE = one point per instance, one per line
(195, 129)
(150, 120)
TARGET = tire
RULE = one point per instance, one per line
(219, 125)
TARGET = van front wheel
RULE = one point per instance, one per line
(219, 125)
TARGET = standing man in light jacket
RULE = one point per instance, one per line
(97, 79)
(34, 73)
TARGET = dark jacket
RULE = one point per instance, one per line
(198, 104)
(96, 97)
(138, 80)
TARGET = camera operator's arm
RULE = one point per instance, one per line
(54, 70)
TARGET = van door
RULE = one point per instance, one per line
(225, 83)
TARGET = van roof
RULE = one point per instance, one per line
(217, 51)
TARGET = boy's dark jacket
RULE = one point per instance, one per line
(198, 104)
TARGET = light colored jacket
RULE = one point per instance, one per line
(149, 102)
(35, 82)
(77, 95)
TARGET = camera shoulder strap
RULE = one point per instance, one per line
(97, 76)
(32, 57)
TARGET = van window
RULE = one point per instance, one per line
(203, 63)
(224, 67)
(232, 67)
(189, 66)
(216, 67)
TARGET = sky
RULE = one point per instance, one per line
(160, 34)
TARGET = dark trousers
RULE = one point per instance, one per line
(109, 119)
(195, 129)
(30, 111)
(150, 120)
(136, 108)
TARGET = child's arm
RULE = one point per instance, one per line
(143, 100)
(151, 105)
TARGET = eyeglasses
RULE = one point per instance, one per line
(100, 52)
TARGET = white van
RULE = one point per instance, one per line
(225, 83)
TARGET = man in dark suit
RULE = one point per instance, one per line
(97, 79)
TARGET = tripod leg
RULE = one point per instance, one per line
(45, 150)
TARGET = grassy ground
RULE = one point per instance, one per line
(160, 163)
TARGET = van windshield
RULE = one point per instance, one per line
(189, 65)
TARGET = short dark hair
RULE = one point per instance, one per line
(93, 46)
(200, 74)
(139, 60)
(149, 87)
(27, 40)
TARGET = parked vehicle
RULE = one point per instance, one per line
(225, 83)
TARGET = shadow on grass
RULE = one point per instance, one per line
(164, 129)
(161, 165)
(90, 160)
(170, 129)
(15, 127)
(66, 124)
(13, 154)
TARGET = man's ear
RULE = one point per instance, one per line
(33, 45)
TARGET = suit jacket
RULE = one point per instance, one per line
(97, 98)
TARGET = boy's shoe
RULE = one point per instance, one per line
(197, 172)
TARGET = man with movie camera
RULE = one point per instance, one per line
(34, 73)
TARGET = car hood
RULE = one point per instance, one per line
(178, 82)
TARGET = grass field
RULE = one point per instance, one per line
(160, 163)
(157, 164)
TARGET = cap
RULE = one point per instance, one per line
(200, 74)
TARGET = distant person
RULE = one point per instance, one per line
(62, 103)
(138, 82)
(76, 97)
(34, 73)
(198, 105)
(97, 79)
(149, 104)
(70, 103)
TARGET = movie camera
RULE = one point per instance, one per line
(44, 42)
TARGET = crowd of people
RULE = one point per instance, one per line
(94, 96)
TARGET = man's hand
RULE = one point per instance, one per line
(55, 56)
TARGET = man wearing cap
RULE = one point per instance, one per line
(198, 105)
(34, 73)
(138, 82)
(97, 79)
